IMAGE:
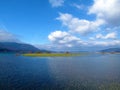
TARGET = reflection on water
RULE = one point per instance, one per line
(92, 72)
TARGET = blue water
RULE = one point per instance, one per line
(90, 72)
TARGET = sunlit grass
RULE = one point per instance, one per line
(51, 54)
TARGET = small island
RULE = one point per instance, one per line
(51, 54)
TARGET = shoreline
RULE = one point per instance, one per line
(51, 54)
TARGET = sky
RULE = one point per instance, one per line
(61, 24)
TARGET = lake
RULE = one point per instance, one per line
(90, 72)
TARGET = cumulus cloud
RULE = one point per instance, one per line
(56, 3)
(79, 6)
(109, 10)
(106, 43)
(77, 25)
(107, 20)
(7, 37)
(112, 35)
(64, 38)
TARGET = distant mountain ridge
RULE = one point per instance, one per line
(111, 50)
(18, 47)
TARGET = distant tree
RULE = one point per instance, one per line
(67, 52)
(39, 52)
(48, 52)
(30, 52)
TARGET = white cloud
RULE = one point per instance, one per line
(57, 34)
(112, 35)
(77, 25)
(117, 28)
(7, 37)
(91, 38)
(106, 43)
(107, 20)
(56, 3)
(109, 10)
(64, 39)
(79, 6)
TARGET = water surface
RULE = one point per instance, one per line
(91, 72)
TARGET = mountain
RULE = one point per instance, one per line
(18, 47)
(111, 50)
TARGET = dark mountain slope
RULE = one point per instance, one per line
(18, 47)
(111, 50)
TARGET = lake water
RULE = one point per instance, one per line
(91, 72)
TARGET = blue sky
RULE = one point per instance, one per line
(61, 24)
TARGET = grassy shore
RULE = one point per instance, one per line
(51, 54)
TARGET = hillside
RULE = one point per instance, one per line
(18, 47)
(111, 50)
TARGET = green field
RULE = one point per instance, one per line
(51, 54)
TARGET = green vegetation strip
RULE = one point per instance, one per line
(51, 54)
